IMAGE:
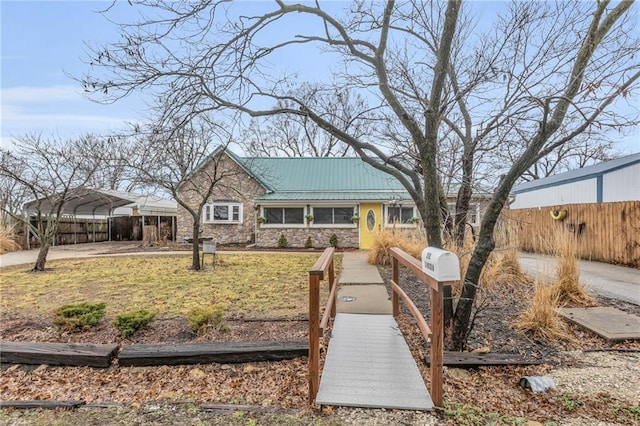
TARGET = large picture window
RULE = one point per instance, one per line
(397, 214)
(284, 215)
(223, 212)
(332, 215)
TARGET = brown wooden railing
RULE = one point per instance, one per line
(433, 334)
(322, 269)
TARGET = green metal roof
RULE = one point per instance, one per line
(334, 196)
(322, 178)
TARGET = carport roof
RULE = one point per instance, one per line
(85, 201)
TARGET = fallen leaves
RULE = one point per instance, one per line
(281, 384)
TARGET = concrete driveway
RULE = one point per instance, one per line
(617, 282)
(24, 257)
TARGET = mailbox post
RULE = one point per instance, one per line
(443, 267)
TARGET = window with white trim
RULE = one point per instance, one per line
(332, 215)
(223, 212)
(284, 215)
(399, 214)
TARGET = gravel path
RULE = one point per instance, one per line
(617, 373)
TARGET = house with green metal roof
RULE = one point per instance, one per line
(301, 198)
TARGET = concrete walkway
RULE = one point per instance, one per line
(368, 362)
(616, 282)
(362, 290)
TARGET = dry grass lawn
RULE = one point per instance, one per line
(251, 285)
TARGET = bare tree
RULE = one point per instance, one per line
(13, 194)
(49, 171)
(109, 156)
(298, 136)
(538, 77)
(172, 158)
(578, 153)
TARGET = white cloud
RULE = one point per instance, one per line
(58, 110)
(25, 94)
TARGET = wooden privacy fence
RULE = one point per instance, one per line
(607, 232)
(323, 268)
(433, 334)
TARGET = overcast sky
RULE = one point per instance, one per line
(43, 42)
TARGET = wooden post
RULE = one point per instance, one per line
(332, 279)
(395, 276)
(437, 345)
(314, 336)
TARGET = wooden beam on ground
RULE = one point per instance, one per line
(473, 360)
(45, 404)
(69, 354)
(202, 353)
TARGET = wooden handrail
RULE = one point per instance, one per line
(322, 268)
(414, 265)
(329, 309)
(434, 334)
(417, 315)
(322, 264)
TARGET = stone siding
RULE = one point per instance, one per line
(296, 237)
(235, 184)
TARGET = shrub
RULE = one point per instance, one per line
(8, 240)
(206, 318)
(282, 241)
(411, 241)
(568, 286)
(333, 240)
(540, 317)
(79, 316)
(309, 243)
(130, 322)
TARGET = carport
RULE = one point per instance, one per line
(95, 204)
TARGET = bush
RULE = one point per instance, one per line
(130, 322)
(202, 319)
(333, 241)
(539, 317)
(411, 241)
(309, 243)
(79, 317)
(282, 241)
(8, 240)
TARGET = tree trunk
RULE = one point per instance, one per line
(195, 258)
(486, 244)
(464, 199)
(42, 257)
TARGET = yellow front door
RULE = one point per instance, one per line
(370, 222)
